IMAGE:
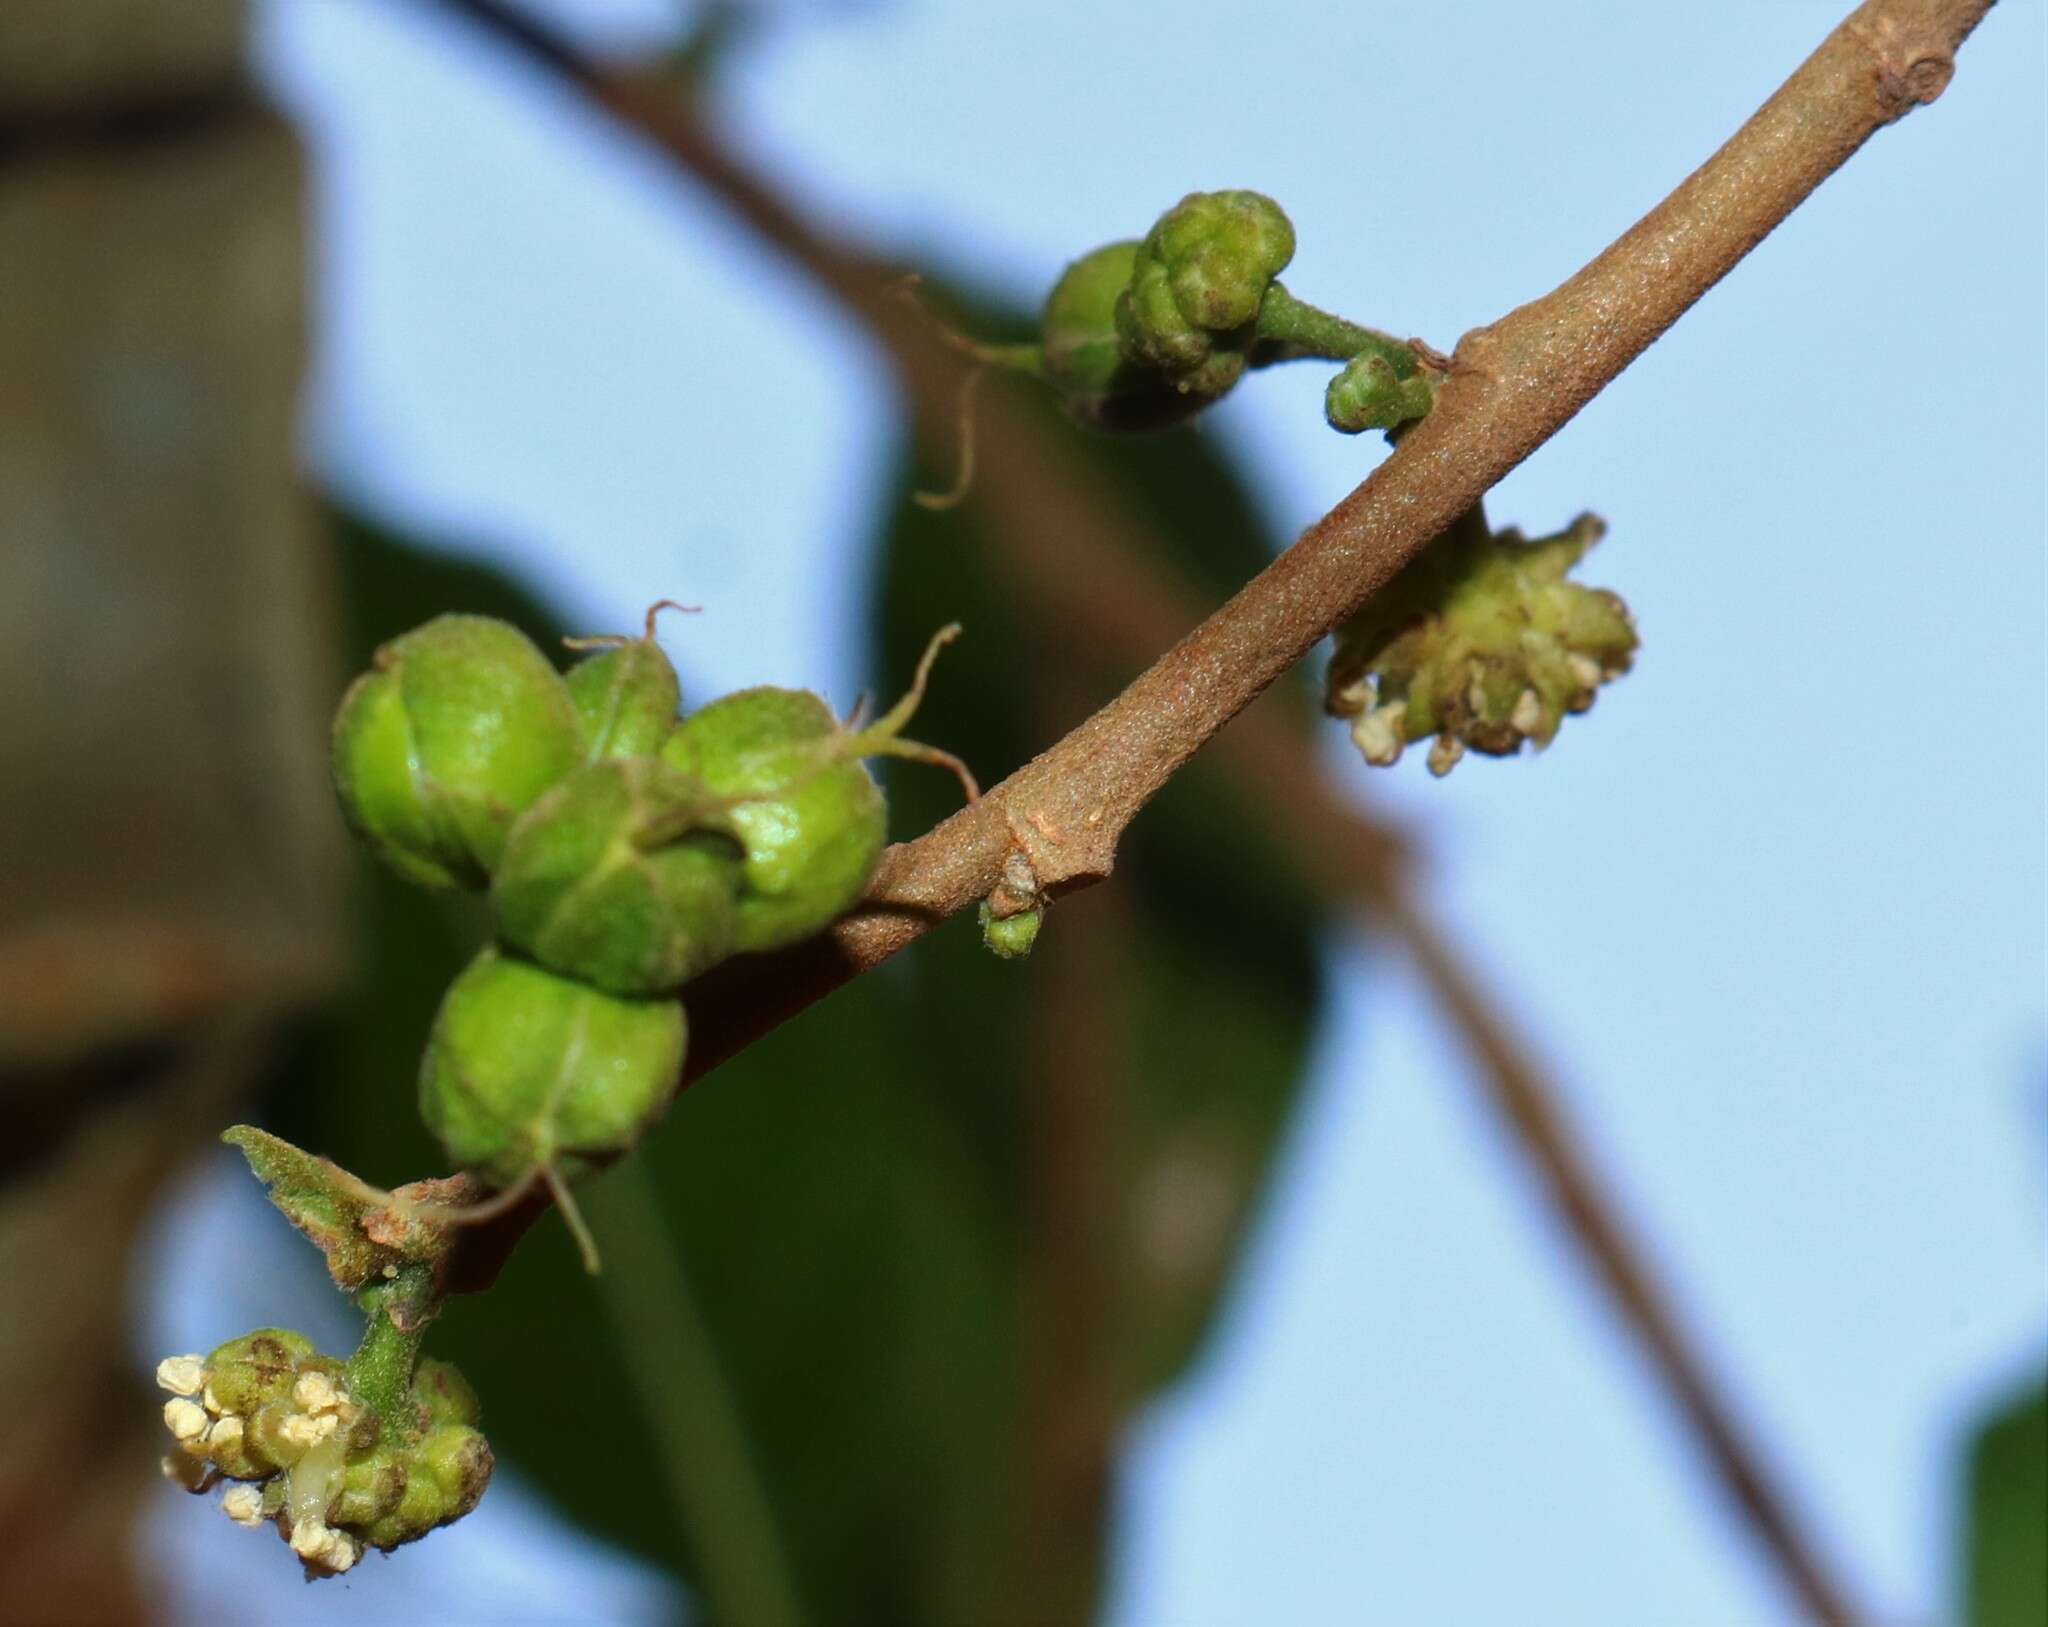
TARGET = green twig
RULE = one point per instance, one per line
(1298, 329)
(380, 1373)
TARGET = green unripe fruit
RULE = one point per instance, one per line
(626, 699)
(812, 827)
(527, 1070)
(610, 878)
(457, 728)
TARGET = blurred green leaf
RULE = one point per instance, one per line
(2005, 1570)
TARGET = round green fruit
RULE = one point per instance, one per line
(612, 879)
(811, 820)
(456, 729)
(527, 1070)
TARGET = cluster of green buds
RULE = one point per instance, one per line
(1142, 333)
(1483, 642)
(626, 848)
(310, 1445)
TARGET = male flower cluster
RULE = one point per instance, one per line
(276, 1418)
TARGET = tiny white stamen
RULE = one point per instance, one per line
(302, 1429)
(1352, 698)
(181, 1375)
(185, 1419)
(226, 1432)
(309, 1538)
(341, 1552)
(316, 1392)
(1527, 717)
(243, 1505)
(212, 1401)
(1377, 734)
(1584, 669)
(1444, 755)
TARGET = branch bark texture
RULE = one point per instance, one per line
(1514, 384)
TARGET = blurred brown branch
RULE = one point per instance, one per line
(1088, 565)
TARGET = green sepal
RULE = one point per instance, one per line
(616, 877)
(1082, 352)
(626, 699)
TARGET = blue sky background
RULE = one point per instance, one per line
(1776, 909)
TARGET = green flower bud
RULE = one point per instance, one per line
(1192, 304)
(1010, 937)
(526, 1070)
(613, 878)
(1481, 641)
(1221, 251)
(1369, 394)
(1082, 354)
(807, 812)
(457, 1460)
(259, 1367)
(443, 1394)
(458, 727)
(371, 1487)
(626, 695)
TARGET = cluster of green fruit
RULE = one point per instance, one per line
(626, 849)
(313, 1457)
(1145, 332)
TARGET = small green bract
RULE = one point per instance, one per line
(1084, 357)
(609, 878)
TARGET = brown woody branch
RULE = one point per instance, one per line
(1517, 382)
(1514, 384)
